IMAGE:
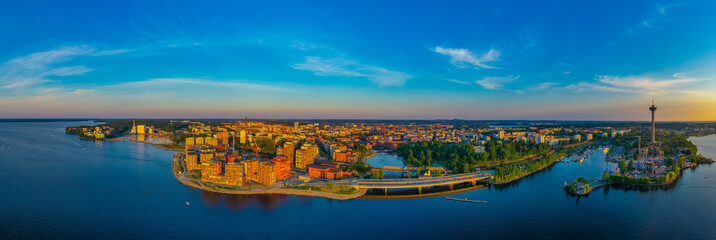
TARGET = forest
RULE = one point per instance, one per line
(462, 158)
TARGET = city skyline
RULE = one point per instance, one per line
(293, 60)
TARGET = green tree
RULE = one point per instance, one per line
(622, 166)
(266, 145)
(378, 174)
(669, 161)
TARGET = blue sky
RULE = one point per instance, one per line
(559, 60)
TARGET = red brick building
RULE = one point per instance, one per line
(316, 171)
(327, 171)
(283, 167)
(333, 173)
(341, 156)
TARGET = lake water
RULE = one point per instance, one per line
(58, 186)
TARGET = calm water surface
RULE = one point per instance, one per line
(57, 186)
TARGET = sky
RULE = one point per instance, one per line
(482, 60)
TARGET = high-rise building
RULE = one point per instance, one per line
(242, 137)
(206, 153)
(211, 170)
(267, 173)
(313, 149)
(192, 160)
(306, 155)
(140, 129)
(223, 137)
(283, 167)
(287, 150)
(251, 169)
(303, 158)
(234, 173)
(211, 141)
(295, 126)
(189, 141)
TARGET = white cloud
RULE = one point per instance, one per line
(545, 85)
(348, 68)
(658, 15)
(494, 83)
(203, 83)
(459, 57)
(69, 71)
(635, 84)
(111, 52)
(643, 83)
(459, 81)
(585, 86)
(39, 67)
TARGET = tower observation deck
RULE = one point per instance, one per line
(653, 123)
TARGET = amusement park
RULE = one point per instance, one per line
(632, 164)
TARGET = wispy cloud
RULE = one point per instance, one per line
(635, 84)
(644, 83)
(39, 67)
(586, 86)
(495, 83)
(656, 16)
(459, 81)
(306, 46)
(459, 57)
(204, 83)
(111, 52)
(545, 85)
(348, 68)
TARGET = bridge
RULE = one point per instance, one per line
(419, 183)
(410, 169)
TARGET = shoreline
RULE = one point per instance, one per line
(285, 191)
(650, 185)
(373, 153)
(159, 146)
(525, 175)
(603, 184)
(121, 140)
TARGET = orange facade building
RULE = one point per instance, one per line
(324, 171)
(283, 167)
(267, 173)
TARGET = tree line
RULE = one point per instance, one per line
(462, 158)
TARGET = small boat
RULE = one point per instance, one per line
(465, 200)
(187, 203)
